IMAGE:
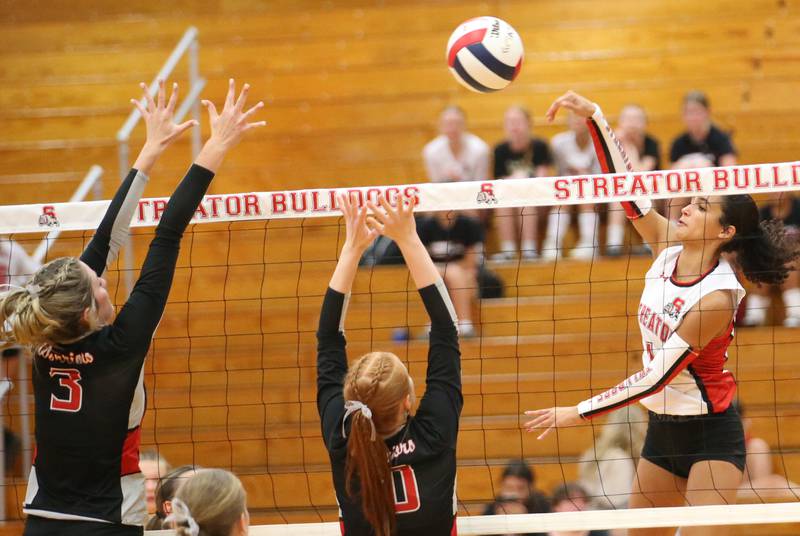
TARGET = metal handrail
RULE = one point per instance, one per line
(188, 44)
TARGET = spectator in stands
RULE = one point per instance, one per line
(701, 135)
(165, 492)
(455, 243)
(455, 154)
(786, 208)
(574, 154)
(571, 497)
(517, 493)
(520, 155)
(607, 469)
(759, 482)
(153, 467)
(211, 503)
(645, 155)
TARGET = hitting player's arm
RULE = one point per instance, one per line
(708, 319)
(651, 226)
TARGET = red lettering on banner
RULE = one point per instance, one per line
(142, 204)
(692, 181)
(720, 179)
(278, 203)
(214, 202)
(392, 194)
(412, 192)
(619, 184)
(233, 205)
(562, 190)
(776, 177)
(674, 181)
(637, 188)
(654, 178)
(158, 208)
(580, 181)
(600, 183)
(332, 199)
(298, 201)
(201, 212)
(359, 197)
(759, 183)
(373, 194)
(315, 206)
(251, 207)
(795, 173)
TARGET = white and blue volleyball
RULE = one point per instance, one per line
(485, 54)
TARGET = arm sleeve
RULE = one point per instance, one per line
(440, 408)
(666, 363)
(106, 242)
(331, 363)
(610, 152)
(139, 317)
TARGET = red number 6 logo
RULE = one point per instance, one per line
(69, 378)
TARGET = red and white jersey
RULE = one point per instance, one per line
(703, 386)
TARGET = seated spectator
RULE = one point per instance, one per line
(211, 503)
(455, 243)
(520, 155)
(701, 135)
(153, 467)
(574, 154)
(607, 469)
(571, 497)
(786, 208)
(645, 155)
(456, 155)
(517, 494)
(165, 492)
(759, 482)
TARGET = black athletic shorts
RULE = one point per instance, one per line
(676, 442)
(40, 526)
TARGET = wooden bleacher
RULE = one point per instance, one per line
(352, 93)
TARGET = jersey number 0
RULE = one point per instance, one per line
(68, 378)
(406, 493)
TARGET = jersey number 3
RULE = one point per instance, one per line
(68, 378)
(406, 493)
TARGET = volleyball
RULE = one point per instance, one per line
(484, 54)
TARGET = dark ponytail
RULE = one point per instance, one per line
(763, 252)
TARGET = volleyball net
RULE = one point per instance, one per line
(231, 371)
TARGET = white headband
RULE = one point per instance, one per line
(181, 514)
(350, 407)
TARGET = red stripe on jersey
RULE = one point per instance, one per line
(718, 384)
(694, 281)
(130, 452)
(599, 146)
(341, 526)
(467, 39)
(454, 532)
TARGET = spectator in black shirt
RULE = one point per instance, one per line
(701, 135)
(88, 365)
(393, 474)
(783, 206)
(455, 243)
(521, 155)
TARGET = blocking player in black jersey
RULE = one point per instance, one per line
(88, 365)
(394, 474)
(694, 450)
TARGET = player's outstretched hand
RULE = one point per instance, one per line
(158, 116)
(228, 127)
(552, 417)
(358, 235)
(570, 100)
(396, 223)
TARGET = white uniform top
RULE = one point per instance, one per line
(703, 386)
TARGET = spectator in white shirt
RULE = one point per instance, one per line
(456, 155)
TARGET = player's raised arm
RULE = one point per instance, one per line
(161, 132)
(651, 226)
(139, 317)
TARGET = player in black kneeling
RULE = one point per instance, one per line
(88, 365)
(394, 473)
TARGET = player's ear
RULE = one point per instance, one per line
(407, 403)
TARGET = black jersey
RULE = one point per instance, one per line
(423, 452)
(89, 395)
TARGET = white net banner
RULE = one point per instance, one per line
(540, 191)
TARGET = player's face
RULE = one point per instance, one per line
(105, 311)
(700, 220)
